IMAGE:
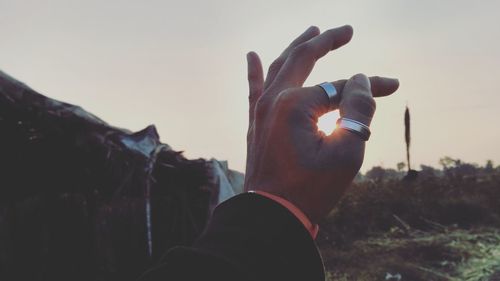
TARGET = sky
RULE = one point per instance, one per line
(180, 65)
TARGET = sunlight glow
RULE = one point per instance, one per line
(327, 122)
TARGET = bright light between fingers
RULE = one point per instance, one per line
(327, 122)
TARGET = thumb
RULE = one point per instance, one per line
(357, 100)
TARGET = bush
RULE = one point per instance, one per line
(463, 195)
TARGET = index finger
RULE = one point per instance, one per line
(318, 103)
(300, 62)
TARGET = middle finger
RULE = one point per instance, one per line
(275, 67)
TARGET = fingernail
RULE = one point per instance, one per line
(348, 28)
(362, 80)
(312, 27)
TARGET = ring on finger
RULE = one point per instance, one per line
(355, 127)
(331, 92)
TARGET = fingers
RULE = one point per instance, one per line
(357, 100)
(380, 86)
(318, 103)
(302, 58)
(255, 81)
(343, 146)
(275, 67)
(308, 104)
(357, 103)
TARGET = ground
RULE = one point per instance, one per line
(450, 254)
(442, 226)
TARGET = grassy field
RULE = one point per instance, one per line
(443, 225)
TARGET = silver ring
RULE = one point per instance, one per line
(331, 92)
(354, 126)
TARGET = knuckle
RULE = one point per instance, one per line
(252, 99)
(288, 99)
(284, 100)
(301, 50)
(252, 76)
(260, 102)
(276, 65)
(260, 108)
(254, 95)
(250, 132)
(284, 96)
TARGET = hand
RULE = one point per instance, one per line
(286, 154)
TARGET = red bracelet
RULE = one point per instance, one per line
(312, 228)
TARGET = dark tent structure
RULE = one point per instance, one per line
(83, 200)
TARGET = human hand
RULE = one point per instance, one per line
(286, 154)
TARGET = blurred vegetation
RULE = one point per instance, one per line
(443, 224)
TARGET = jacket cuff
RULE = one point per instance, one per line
(312, 228)
(263, 238)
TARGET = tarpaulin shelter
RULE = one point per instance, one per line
(83, 200)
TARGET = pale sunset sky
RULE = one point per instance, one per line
(181, 66)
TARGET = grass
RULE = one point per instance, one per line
(452, 255)
(442, 226)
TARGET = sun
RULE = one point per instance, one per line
(327, 122)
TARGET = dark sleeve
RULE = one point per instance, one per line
(249, 237)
